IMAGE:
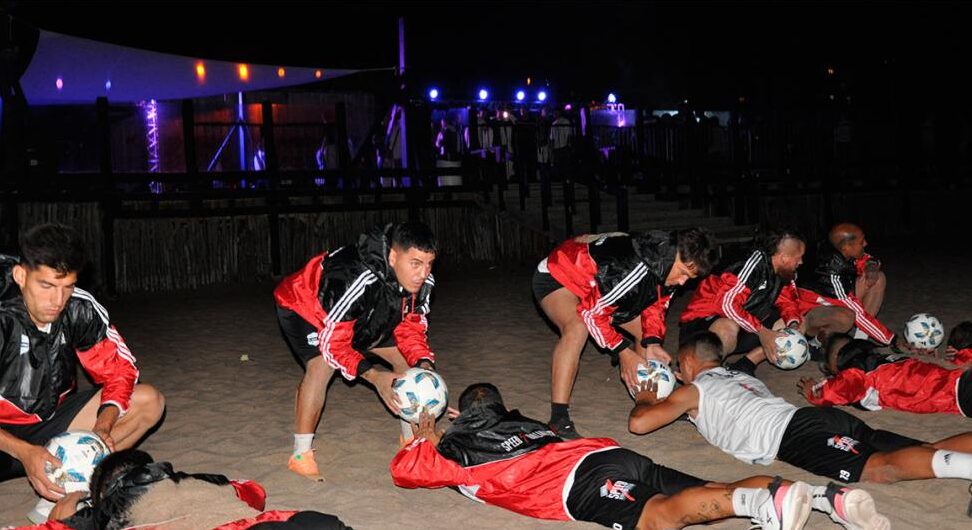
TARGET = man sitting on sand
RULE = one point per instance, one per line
(495, 455)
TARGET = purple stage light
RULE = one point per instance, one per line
(520, 95)
(483, 94)
(612, 98)
(542, 96)
(568, 106)
(108, 85)
(59, 83)
(434, 94)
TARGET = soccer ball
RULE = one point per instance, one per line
(791, 349)
(79, 453)
(924, 331)
(660, 373)
(420, 388)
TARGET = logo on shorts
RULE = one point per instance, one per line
(844, 475)
(844, 443)
(313, 339)
(617, 490)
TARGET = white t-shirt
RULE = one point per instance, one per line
(739, 415)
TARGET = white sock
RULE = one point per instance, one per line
(745, 500)
(858, 334)
(820, 502)
(302, 443)
(952, 464)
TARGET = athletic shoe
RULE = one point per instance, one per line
(565, 429)
(304, 465)
(40, 512)
(786, 507)
(854, 509)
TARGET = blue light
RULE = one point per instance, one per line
(542, 96)
(108, 85)
(612, 98)
(520, 95)
(483, 94)
(434, 94)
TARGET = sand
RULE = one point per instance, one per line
(235, 417)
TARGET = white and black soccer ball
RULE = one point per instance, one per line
(420, 388)
(79, 453)
(791, 349)
(658, 372)
(924, 331)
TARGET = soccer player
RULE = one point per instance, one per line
(749, 301)
(958, 349)
(130, 490)
(735, 412)
(373, 296)
(847, 276)
(871, 380)
(605, 285)
(497, 456)
(47, 327)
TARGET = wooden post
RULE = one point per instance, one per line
(273, 167)
(104, 140)
(189, 139)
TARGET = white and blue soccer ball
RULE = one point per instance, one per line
(658, 372)
(419, 389)
(79, 453)
(791, 349)
(924, 331)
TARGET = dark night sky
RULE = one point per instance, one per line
(658, 51)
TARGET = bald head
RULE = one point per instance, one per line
(848, 238)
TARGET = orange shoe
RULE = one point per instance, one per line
(305, 466)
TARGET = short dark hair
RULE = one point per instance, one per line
(413, 234)
(53, 245)
(960, 337)
(769, 241)
(479, 394)
(833, 351)
(697, 246)
(705, 345)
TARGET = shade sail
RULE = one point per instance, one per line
(70, 70)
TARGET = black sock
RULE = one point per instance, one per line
(559, 411)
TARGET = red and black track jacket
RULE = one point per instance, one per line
(352, 298)
(835, 279)
(745, 293)
(882, 381)
(617, 278)
(38, 368)
(499, 457)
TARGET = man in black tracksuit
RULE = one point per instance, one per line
(373, 296)
(48, 326)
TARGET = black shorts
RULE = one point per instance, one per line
(612, 487)
(40, 433)
(745, 341)
(830, 442)
(544, 284)
(302, 337)
(963, 394)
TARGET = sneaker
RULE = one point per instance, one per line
(565, 429)
(304, 464)
(854, 509)
(786, 507)
(40, 512)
